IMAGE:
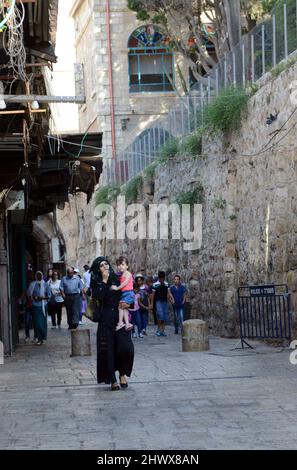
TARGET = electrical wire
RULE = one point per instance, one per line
(13, 43)
(73, 143)
(8, 13)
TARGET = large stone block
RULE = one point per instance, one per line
(195, 336)
(80, 343)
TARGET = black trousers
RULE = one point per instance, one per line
(72, 304)
(55, 310)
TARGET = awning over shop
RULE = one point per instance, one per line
(63, 165)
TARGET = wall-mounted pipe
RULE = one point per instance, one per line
(110, 76)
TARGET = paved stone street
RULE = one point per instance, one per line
(220, 399)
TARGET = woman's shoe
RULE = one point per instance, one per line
(115, 386)
(123, 384)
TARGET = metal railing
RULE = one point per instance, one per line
(264, 312)
(259, 51)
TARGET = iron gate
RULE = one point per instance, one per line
(264, 312)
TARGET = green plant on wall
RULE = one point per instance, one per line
(252, 89)
(192, 143)
(218, 203)
(282, 66)
(107, 194)
(168, 150)
(132, 188)
(149, 171)
(194, 196)
(225, 112)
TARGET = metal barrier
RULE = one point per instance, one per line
(264, 312)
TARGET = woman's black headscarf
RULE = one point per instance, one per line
(96, 274)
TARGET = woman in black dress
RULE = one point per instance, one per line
(115, 350)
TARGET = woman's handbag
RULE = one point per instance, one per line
(93, 310)
(52, 301)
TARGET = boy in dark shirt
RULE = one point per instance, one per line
(161, 297)
(177, 295)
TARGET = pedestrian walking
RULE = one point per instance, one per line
(161, 297)
(178, 296)
(115, 350)
(40, 293)
(135, 313)
(144, 302)
(27, 302)
(49, 274)
(149, 284)
(86, 277)
(82, 300)
(56, 301)
(71, 288)
(48, 278)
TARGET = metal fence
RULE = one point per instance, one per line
(264, 312)
(260, 50)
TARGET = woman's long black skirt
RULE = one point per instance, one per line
(115, 352)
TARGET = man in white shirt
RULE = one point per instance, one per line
(87, 276)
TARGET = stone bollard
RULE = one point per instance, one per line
(195, 336)
(80, 343)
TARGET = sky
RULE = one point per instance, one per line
(62, 84)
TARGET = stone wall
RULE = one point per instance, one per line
(76, 223)
(252, 237)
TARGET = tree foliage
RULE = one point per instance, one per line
(182, 21)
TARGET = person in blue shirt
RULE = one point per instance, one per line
(178, 295)
(71, 288)
(40, 293)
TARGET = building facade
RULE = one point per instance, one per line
(131, 75)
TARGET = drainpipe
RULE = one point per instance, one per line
(110, 76)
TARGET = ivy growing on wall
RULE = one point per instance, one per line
(132, 188)
(107, 194)
(226, 111)
(194, 196)
(219, 203)
(169, 150)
